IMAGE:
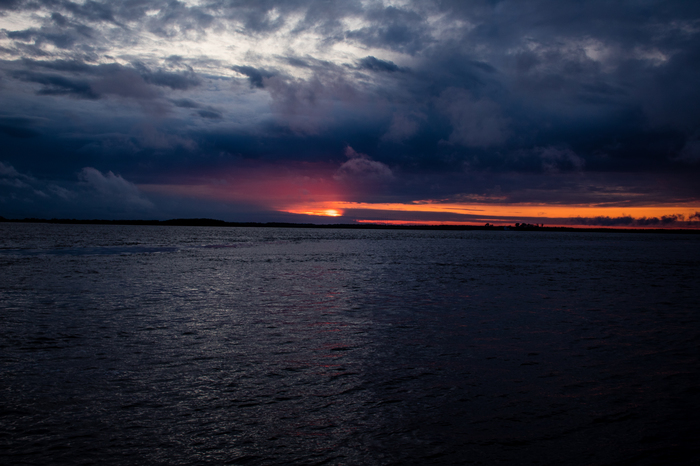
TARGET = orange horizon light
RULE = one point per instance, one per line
(494, 213)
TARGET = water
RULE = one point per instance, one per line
(177, 345)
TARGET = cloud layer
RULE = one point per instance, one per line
(538, 101)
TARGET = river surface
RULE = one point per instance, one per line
(264, 346)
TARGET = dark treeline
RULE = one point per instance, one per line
(208, 222)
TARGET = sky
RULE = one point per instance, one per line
(580, 113)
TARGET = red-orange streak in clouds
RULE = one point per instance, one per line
(527, 210)
(498, 213)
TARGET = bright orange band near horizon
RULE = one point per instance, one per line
(505, 212)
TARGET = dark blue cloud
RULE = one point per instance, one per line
(18, 127)
(374, 64)
(255, 75)
(58, 85)
(392, 28)
(211, 114)
(543, 99)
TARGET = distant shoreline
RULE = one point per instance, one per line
(208, 222)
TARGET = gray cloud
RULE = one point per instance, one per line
(124, 82)
(374, 64)
(177, 80)
(16, 186)
(10, 4)
(113, 189)
(94, 194)
(204, 112)
(59, 85)
(361, 169)
(535, 96)
(255, 75)
(210, 114)
(306, 105)
(690, 152)
(185, 103)
(21, 127)
(174, 80)
(392, 28)
(139, 83)
(555, 159)
(404, 126)
(475, 122)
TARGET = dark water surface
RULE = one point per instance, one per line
(179, 345)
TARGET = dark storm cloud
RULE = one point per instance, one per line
(185, 103)
(210, 114)
(75, 78)
(22, 128)
(361, 169)
(9, 4)
(536, 97)
(306, 105)
(178, 80)
(255, 75)
(475, 122)
(392, 28)
(90, 10)
(58, 85)
(94, 194)
(63, 39)
(69, 66)
(374, 64)
(175, 80)
(107, 80)
(18, 132)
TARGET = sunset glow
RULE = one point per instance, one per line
(492, 213)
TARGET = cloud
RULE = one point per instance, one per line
(95, 195)
(403, 126)
(59, 85)
(207, 112)
(475, 122)
(60, 32)
(127, 83)
(18, 128)
(306, 105)
(124, 82)
(15, 185)
(210, 114)
(556, 159)
(255, 75)
(92, 82)
(374, 64)
(550, 100)
(690, 152)
(10, 4)
(185, 103)
(153, 138)
(179, 81)
(360, 168)
(392, 28)
(8, 171)
(113, 190)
